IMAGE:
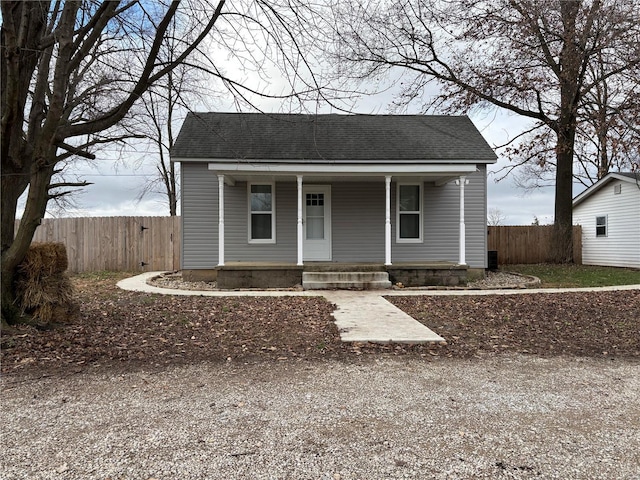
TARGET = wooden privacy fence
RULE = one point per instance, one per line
(528, 244)
(153, 243)
(115, 243)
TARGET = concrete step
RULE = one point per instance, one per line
(343, 267)
(345, 280)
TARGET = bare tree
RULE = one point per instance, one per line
(73, 70)
(605, 138)
(533, 58)
(495, 217)
(161, 112)
(61, 94)
(162, 109)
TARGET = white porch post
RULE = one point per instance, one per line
(220, 220)
(300, 230)
(387, 220)
(462, 259)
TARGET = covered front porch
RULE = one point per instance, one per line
(238, 275)
(380, 209)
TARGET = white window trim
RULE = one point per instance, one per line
(420, 213)
(606, 226)
(273, 214)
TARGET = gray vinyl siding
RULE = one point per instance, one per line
(199, 197)
(236, 226)
(358, 221)
(476, 218)
(441, 223)
(200, 221)
(358, 215)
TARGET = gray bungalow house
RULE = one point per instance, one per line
(275, 200)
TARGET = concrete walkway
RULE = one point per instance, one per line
(365, 316)
(139, 283)
(361, 316)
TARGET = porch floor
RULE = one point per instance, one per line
(339, 266)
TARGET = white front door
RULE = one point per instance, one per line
(316, 202)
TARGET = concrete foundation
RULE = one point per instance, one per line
(425, 276)
(200, 275)
(256, 275)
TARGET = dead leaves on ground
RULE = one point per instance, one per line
(135, 329)
(545, 324)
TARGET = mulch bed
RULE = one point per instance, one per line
(118, 329)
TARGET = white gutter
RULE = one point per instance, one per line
(298, 161)
(323, 169)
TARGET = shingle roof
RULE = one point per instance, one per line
(330, 138)
(631, 175)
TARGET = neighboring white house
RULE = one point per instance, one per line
(609, 213)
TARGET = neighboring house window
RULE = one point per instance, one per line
(601, 226)
(262, 214)
(409, 221)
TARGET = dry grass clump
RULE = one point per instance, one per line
(44, 290)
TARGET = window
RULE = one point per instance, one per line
(409, 222)
(262, 218)
(601, 226)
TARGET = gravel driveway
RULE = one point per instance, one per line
(499, 417)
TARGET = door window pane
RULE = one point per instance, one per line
(315, 228)
(315, 216)
(315, 199)
(315, 211)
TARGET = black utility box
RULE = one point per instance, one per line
(492, 259)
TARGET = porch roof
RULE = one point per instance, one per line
(437, 173)
(254, 138)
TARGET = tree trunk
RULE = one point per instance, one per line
(562, 247)
(10, 193)
(565, 128)
(173, 197)
(12, 187)
(10, 309)
(15, 253)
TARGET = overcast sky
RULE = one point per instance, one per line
(119, 181)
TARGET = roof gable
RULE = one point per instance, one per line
(330, 138)
(608, 178)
